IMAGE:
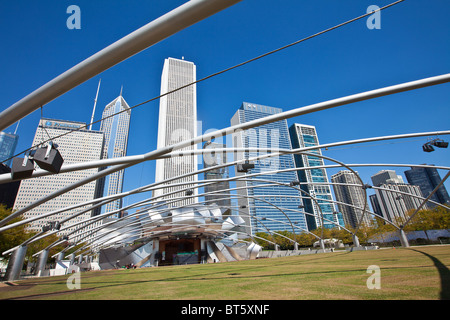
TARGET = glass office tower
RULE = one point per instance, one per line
(275, 206)
(115, 130)
(8, 143)
(314, 181)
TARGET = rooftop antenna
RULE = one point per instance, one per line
(95, 104)
(15, 131)
(121, 88)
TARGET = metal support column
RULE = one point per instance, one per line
(60, 256)
(72, 259)
(43, 257)
(322, 244)
(356, 241)
(15, 264)
(403, 238)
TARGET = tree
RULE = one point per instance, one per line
(305, 239)
(430, 219)
(264, 244)
(12, 237)
(15, 236)
(342, 234)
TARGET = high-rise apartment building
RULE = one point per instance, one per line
(393, 199)
(314, 181)
(386, 176)
(177, 122)
(78, 146)
(428, 179)
(351, 198)
(115, 129)
(276, 206)
(8, 143)
(220, 189)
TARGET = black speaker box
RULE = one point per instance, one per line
(21, 171)
(52, 162)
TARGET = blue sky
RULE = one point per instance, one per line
(413, 43)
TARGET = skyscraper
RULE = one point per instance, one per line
(350, 197)
(177, 122)
(386, 176)
(393, 198)
(314, 180)
(8, 143)
(214, 159)
(115, 129)
(428, 179)
(78, 146)
(275, 206)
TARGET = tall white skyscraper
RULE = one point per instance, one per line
(177, 122)
(115, 130)
(78, 146)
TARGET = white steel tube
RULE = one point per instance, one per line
(172, 22)
(6, 177)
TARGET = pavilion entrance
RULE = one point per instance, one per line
(179, 251)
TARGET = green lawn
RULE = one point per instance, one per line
(419, 273)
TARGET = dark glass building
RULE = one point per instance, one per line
(428, 179)
(314, 181)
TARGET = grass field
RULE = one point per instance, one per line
(415, 273)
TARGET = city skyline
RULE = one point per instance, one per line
(327, 67)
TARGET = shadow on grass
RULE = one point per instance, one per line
(444, 274)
